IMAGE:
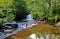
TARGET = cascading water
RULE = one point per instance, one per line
(22, 25)
(29, 17)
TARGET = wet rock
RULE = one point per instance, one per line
(8, 30)
(10, 25)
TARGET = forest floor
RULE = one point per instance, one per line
(37, 29)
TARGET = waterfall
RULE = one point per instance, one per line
(29, 17)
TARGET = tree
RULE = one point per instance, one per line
(6, 10)
(21, 10)
(45, 8)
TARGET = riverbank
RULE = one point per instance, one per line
(41, 28)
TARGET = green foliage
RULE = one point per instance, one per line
(6, 10)
(21, 10)
(5, 4)
(49, 8)
(10, 9)
(36, 7)
(6, 16)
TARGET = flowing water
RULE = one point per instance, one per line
(21, 25)
(24, 25)
(29, 17)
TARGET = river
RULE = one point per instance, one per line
(26, 23)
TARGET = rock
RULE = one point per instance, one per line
(33, 36)
(47, 36)
(58, 25)
(10, 25)
(8, 30)
(41, 36)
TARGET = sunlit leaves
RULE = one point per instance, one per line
(6, 4)
(6, 10)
